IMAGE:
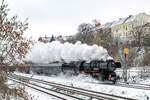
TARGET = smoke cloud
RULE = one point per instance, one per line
(56, 51)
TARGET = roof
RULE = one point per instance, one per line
(130, 18)
(118, 22)
(124, 20)
(109, 24)
(52, 64)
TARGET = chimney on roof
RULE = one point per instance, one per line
(120, 18)
(130, 16)
(97, 24)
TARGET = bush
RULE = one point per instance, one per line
(146, 59)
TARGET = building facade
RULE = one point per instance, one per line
(123, 26)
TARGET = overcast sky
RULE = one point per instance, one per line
(62, 17)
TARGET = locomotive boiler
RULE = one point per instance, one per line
(102, 70)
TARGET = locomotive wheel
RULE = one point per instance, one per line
(114, 76)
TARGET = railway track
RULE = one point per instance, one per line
(41, 90)
(127, 85)
(133, 85)
(73, 91)
(48, 91)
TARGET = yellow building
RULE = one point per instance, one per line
(123, 26)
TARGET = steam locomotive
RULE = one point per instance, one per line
(101, 70)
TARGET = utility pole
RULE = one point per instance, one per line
(126, 60)
(120, 55)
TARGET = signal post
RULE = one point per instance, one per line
(126, 51)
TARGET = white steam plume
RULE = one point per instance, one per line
(56, 51)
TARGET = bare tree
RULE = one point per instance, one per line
(84, 33)
(13, 47)
(84, 28)
(137, 34)
(93, 34)
(140, 34)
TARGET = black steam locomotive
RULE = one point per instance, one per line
(102, 70)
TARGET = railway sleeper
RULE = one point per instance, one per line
(63, 90)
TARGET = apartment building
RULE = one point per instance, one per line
(123, 26)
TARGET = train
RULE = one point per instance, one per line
(101, 70)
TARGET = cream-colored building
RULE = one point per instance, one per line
(123, 26)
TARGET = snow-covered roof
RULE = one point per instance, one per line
(107, 25)
(46, 64)
(130, 19)
(114, 23)
(124, 20)
(120, 21)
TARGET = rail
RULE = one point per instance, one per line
(80, 91)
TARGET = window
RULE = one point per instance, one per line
(130, 26)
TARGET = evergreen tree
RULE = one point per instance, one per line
(52, 38)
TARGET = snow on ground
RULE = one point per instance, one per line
(136, 74)
(39, 95)
(36, 95)
(87, 82)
